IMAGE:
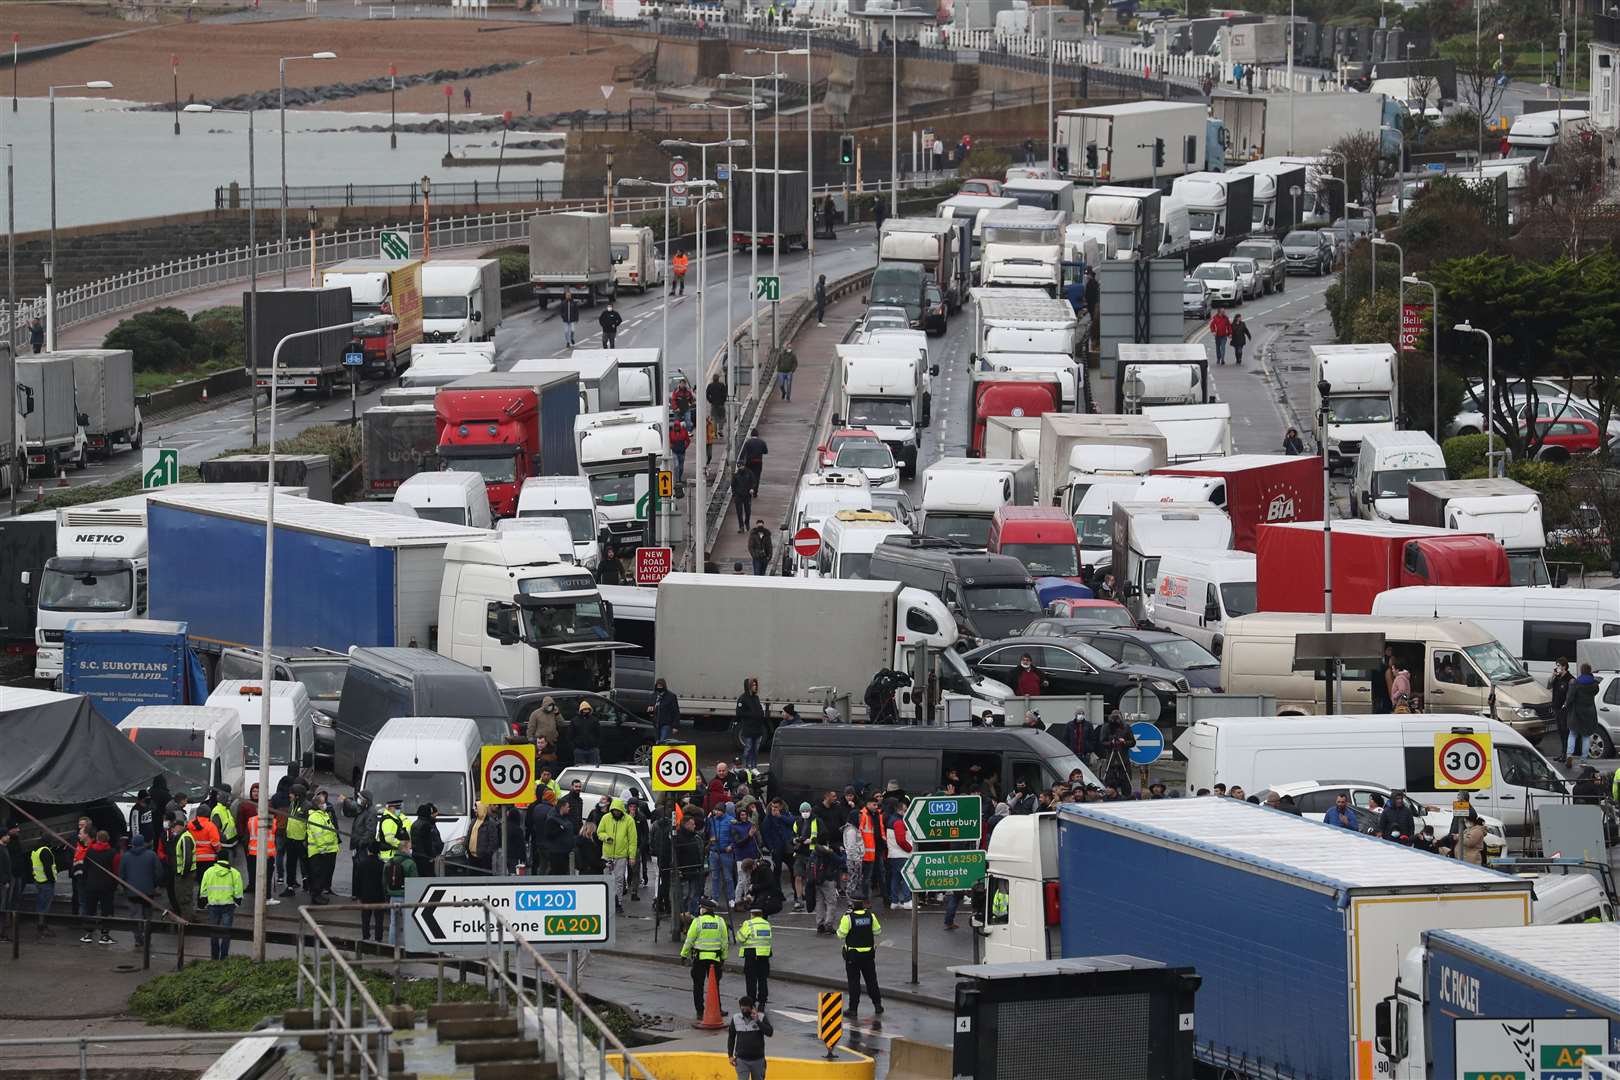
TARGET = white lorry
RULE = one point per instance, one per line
(461, 300)
(1094, 513)
(569, 500)
(636, 264)
(598, 372)
(1170, 374)
(1013, 437)
(1115, 144)
(613, 451)
(440, 364)
(1021, 321)
(1023, 249)
(1361, 391)
(104, 387)
(972, 209)
(930, 242)
(1131, 214)
(1498, 507)
(641, 373)
(98, 574)
(1220, 205)
(1064, 474)
(1145, 531)
(52, 434)
(1044, 193)
(571, 253)
(883, 388)
(1194, 432)
(960, 496)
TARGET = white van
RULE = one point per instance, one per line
(550, 530)
(1394, 750)
(1094, 517)
(1389, 460)
(201, 745)
(849, 538)
(456, 498)
(428, 759)
(1455, 665)
(569, 500)
(1536, 625)
(292, 727)
(821, 495)
(1175, 227)
(1199, 592)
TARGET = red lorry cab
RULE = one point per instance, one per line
(493, 432)
(1261, 489)
(1041, 537)
(1011, 393)
(1368, 557)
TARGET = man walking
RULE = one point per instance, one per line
(679, 440)
(609, 321)
(1221, 327)
(753, 454)
(587, 732)
(617, 832)
(707, 941)
(786, 365)
(1093, 301)
(742, 495)
(821, 300)
(569, 312)
(715, 394)
(745, 1039)
(221, 892)
(858, 930)
(754, 943)
(759, 548)
(666, 711)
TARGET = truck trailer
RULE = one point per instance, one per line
(571, 251)
(755, 191)
(128, 663)
(52, 434)
(104, 384)
(1115, 144)
(396, 443)
(382, 287)
(308, 363)
(1259, 489)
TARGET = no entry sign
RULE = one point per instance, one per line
(807, 542)
(1462, 762)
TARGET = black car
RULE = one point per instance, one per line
(626, 737)
(1069, 666)
(1145, 648)
(934, 311)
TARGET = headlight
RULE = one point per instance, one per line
(1525, 712)
(1163, 686)
(457, 849)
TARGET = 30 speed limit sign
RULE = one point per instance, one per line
(508, 774)
(674, 768)
(1462, 762)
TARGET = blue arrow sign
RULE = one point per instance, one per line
(1149, 743)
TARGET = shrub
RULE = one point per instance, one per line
(219, 334)
(340, 442)
(985, 163)
(1464, 454)
(166, 339)
(514, 266)
(1551, 482)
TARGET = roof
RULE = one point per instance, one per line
(1295, 847)
(1085, 965)
(428, 727)
(1579, 958)
(1230, 464)
(178, 717)
(350, 522)
(402, 660)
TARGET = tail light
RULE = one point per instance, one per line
(1049, 898)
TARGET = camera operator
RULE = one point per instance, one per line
(879, 696)
(1113, 746)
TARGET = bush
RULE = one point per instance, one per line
(1551, 482)
(112, 489)
(1464, 455)
(985, 163)
(165, 339)
(219, 334)
(514, 266)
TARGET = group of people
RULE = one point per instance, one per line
(1229, 330)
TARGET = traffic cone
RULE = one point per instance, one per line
(712, 1020)
(205, 394)
(61, 478)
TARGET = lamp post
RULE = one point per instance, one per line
(809, 159)
(427, 218)
(1400, 311)
(1051, 102)
(283, 64)
(314, 220)
(11, 301)
(449, 94)
(894, 113)
(1490, 392)
(1323, 413)
(753, 217)
(500, 161)
(393, 114)
(1434, 341)
(50, 276)
(174, 69)
(776, 169)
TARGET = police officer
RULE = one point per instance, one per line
(858, 930)
(322, 847)
(221, 892)
(224, 819)
(754, 943)
(43, 864)
(391, 828)
(183, 881)
(297, 837)
(707, 940)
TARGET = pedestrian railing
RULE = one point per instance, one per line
(1600, 1067)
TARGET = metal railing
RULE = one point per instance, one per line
(445, 193)
(352, 1041)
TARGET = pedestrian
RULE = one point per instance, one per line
(297, 839)
(139, 822)
(250, 833)
(1293, 445)
(743, 486)
(753, 454)
(1221, 327)
(746, 1032)
(750, 712)
(1397, 822)
(1583, 721)
(707, 942)
(829, 214)
(715, 394)
(587, 732)
(683, 403)
(323, 845)
(1400, 687)
(1471, 848)
(561, 836)
(1093, 307)
(666, 711)
(609, 321)
(1248, 78)
(786, 365)
(760, 547)
(1029, 151)
(821, 300)
(36, 335)
(1240, 338)
(722, 866)
(426, 845)
(371, 887)
(528, 102)
(690, 864)
(543, 721)
(1558, 686)
(568, 311)
(221, 891)
(859, 930)
(100, 885)
(679, 440)
(1342, 814)
(754, 945)
(181, 870)
(1383, 681)
(679, 264)
(880, 212)
(617, 831)
(827, 861)
(394, 877)
(1029, 680)
(10, 888)
(898, 849)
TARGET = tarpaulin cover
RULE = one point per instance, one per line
(64, 752)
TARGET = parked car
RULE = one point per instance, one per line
(1154, 648)
(1069, 666)
(1248, 272)
(1268, 256)
(1089, 613)
(1222, 281)
(615, 781)
(934, 310)
(827, 453)
(1308, 252)
(885, 317)
(626, 736)
(1358, 228)
(1552, 402)
(1194, 298)
(1313, 798)
(1566, 437)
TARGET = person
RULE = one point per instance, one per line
(859, 930)
(1471, 848)
(707, 942)
(323, 845)
(1559, 686)
(826, 863)
(100, 885)
(1221, 327)
(1029, 151)
(140, 816)
(753, 454)
(587, 732)
(1400, 686)
(821, 298)
(716, 394)
(683, 403)
(1588, 789)
(678, 264)
(1093, 308)
(679, 440)
(754, 945)
(466, 96)
(250, 831)
(898, 848)
(829, 217)
(746, 1032)
(760, 547)
(1293, 445)
(1382, 682)
(1240, 338)
(394, 876)
(617, 831)
(786, 365)
(1397, 821)
(141, 870)
(221, 891)
(11, 884)
(1342, 814)
(561, 836)
(1583, 721)
(544, 721)
(426, 845)
(1075, 293)
(1028, 681)
(568, 311)
(391, 828)
(297, 838)
(36, 335)
(690, 864)
(880, 213)
(371, 887)
(743, 486)
(750, 712)
(666, 711)
(609, 321)
(1248, 79)
(528, 102)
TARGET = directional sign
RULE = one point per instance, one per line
(807, 542)
(508, 773)
(1149, 743)
(394, 245)
(354, 359)
(944, 817)
(653, 564)
(768, 287)
(565, 912)
(607, 91)
(160, 466)
(674, 768)
(1462, 762)
(830, 1018)
(943, 871)
(722, 173)
(666, 484)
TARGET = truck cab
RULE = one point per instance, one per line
(1361, 382)
(567, 499)
(493, 432)
(1043, 538)
(959, 503)
(98, 574)
(614, 449)
(884, 390)
(1024, 917)
(382, 287)
(1219, 204)
(1145, 531)
(461, 300)
(1094, 464)
(1011, 393)
(457, 498)
(1023, 249)
(1131, 213)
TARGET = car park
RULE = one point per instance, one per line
(1268, 257)
(1222, 281)
(1195, 301)
(1248, 273)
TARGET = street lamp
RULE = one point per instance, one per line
(393, 115)
(1434, 340)
(753, 215)
(283, 65)
(11, 302)
(1400, 314)
(314, 221)
(50, 287)
(427, 218)
(1490, 392)
(776, 167)
(1323, 413)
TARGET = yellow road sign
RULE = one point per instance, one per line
(508, 774)
(674, 768)
(830, 1015)
(666, 484)
(1462, 762)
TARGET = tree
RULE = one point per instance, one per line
(1363, 162)
(1481, 79)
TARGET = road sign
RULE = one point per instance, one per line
(565, 912)
(1140, 703)
(944, 817)
(722, 173)
(768, 287)
(607, 91)
(392, 244)
(674, 768)
(943, 871)
(666, 484)
(354, 359)
(1462, 762)
(1149, 743)
(653, 563)
(830, 1018)
(807, 541)
(1435, 166)
(677, 169)
(160, 466)
(508, 773)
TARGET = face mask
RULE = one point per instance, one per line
(1024, 665)
(805, 814)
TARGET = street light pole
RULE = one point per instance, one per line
(393, 114)
(809, 157)
(776, 171)
(323, 55)
(11, 304)
(427, 218)
(753, 220)
(50, 276)
(1051, 101)
(1400, 315)
(1490, 393)
(174, 69)
(894, 113)
(1324, 389)
(1434, 341)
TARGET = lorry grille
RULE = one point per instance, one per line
(51, 637)
(1350, 447)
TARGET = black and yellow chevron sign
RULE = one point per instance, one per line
(830, 1013)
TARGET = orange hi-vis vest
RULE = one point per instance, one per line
(206, 834)
(253, 838)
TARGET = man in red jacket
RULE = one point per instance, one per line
(1028, 681)
(1221, 327)
(718, 791)
(899, 848)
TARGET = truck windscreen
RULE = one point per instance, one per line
(495, 466)
(1001, 598)
(615, 488)
(560, 620)
(1019, 235)
(1359, 409)
(86, 585)
(968, 529)
(1046, 560)
(1201, 220)
(1391, 483)
(444, 307)
(879, 412)
(581, 523)
(180, 751)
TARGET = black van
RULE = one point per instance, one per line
(808, 760)
(992, 596)
(383, 683)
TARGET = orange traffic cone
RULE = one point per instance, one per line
(61, 478)
(712, 1020)
(205, 394)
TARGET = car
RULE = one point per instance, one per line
(897, 504)
(1222, 281)
(1248, 272)
(885, 315)
(875, 461)
(1565, 437)
(1268, 256)
(1313, 798)
(1086, 613)
(1407, 195)
(1552, 401)
(1069, 666)
(1307, 252)
(980, 186)
(1194, 298)
(1156, 648)
(626, 737)
(1335, 239)
(615, 781)
(934, 310)
(827, 453)
(1358, 228)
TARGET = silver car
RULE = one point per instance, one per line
(1248, 272)
(1194, 299)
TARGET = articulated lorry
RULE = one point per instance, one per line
(382, 287)
(1023, 249)
(571, 252)
(1257, 489)
(1498, 507)
(1114, 144)
(1132, 214)
(508, 426)
(53, 437)
(933, 243)
(754, 191)
(1220, 205)
(314, 363)
(396, 443)
(104, 386)
(1304, 125)
(461, 300)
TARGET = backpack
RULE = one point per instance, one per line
(396, 875)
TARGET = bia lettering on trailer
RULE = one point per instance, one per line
(1281, 508)
(1460, 989)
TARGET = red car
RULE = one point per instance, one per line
(1097, 612)
(828, 452)
(1566, 436)
(980, 186)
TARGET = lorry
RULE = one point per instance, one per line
(435, 365)
(382, 287)
(617, 451)
(124, 664)
(26, 542)
(1346, 906)
(1132, 214)
(1258, 489)
(1194, 432)
(1361, 394)
(932, 243)
(1496, 506)
(104, 387)
(1021, 321)
(1144, 531)
(1063, 480)
(1304, 125)
(396, 443)
(53, 437)
(1166, 374)
(1262, 44)
(754, 191)
(1011, 393)
(98, 574)
(598, 373)
(461, 300)
(1277, 210)
(969, 212)
(571, 252)
(508, 426)
(314, 363)
(1220, 205)
(761, 625)
(1023, 249)
(636, 264)
(1114, 144)
(1368, 558)
(567, 499)
(961, 495)
(641, 373)
(310, 473)
(883, 387)
(1062, 365)
(1044, 194)
(1013, 437)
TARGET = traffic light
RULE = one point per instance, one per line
(846, 149)
(1063, 160)
(1091, 157)
(1158, 153)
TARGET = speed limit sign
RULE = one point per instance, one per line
(674, 768)
(1462, 762)
(508, 774)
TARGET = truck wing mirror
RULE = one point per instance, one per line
(478, 316)
(1366, 498)
(25, 400)
(934, 370)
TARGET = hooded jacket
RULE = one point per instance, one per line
(617, 832)
(719, 829)
(1583, 704)
(139, 867)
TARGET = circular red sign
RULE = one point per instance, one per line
(807, 541)
(1463, 761)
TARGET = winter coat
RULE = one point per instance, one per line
(100, 861)
(369, 886)
(894, 836)
(1472, 848)
(140, 868)
(1220, 325)
(1583, 705)
(562, 833)
(1397, 820)
(689, 858)
(744, 840)
(667, 710)
(586, 730)
(854, 849)
(1028, 682)
(760, 543)
(1558, 686)
(715, 795)
(750, 716)
(426, 843)
(1240, 334)
(617, 833)
(776, 833)
(719, 828)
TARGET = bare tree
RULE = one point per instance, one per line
(1365, 165)
(1481, 82)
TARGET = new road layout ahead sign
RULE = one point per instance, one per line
(944, 817)
(559, 912)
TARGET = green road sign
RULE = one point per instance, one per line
(768, 287)
(394, 245)
(944, 817)
(160, 466)
(943, 871)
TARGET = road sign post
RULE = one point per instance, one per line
(674, 767)
(392, 244)
(807, 542)
(768, 287)
(830, 1019)
(1462, 762)
(160, 466)
(559, 912)
(944, 817)
(652, 563)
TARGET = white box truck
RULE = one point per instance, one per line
(52, 435)
(1114, 144)
(1131, 214)
(104, 384)
(613, 450)
(1023, 249)
(1361, 394)
(931, 242)
(1063, 433)
(1145, 531)
(461, 299)
(883, 387)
